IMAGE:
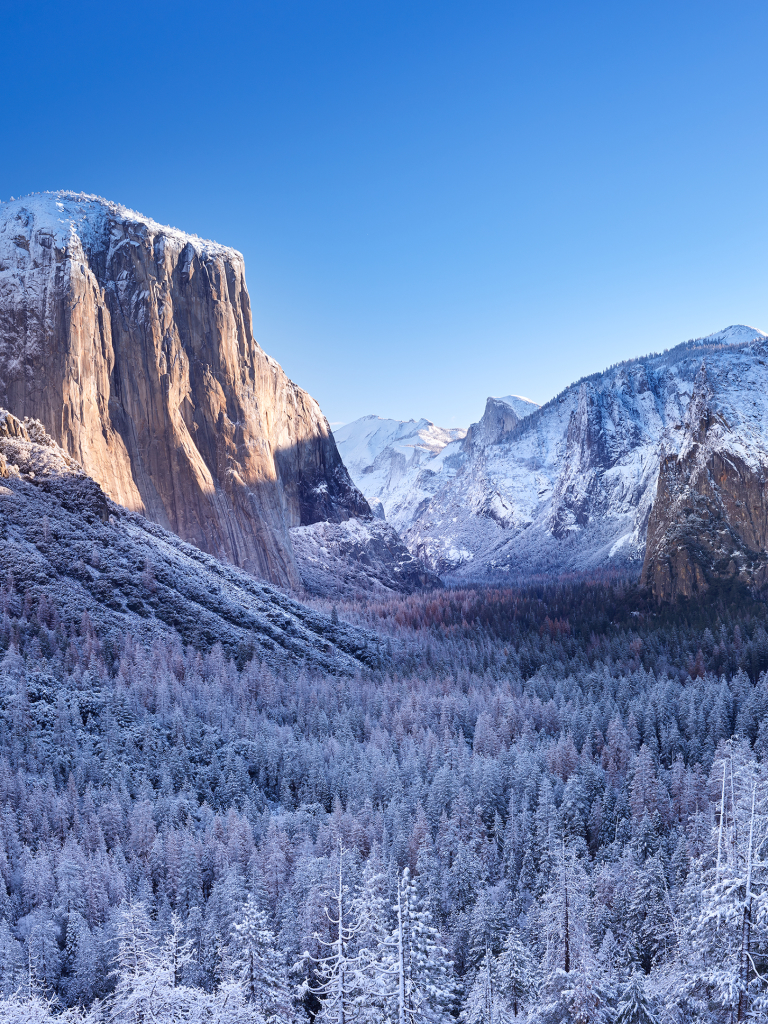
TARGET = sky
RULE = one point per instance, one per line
(437, 200)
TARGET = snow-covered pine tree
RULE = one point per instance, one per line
(376, 945)
(340, 981)
(517, 973)
(429, 991)
(256, 963)
(148, 977)
(733, 921)
(137, 964)
(635, 1007)
(485, 1002)
(13, 966)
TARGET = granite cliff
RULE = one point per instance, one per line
(709, 520)
(132, 343)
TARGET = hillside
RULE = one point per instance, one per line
(569, 489)
(102, 568)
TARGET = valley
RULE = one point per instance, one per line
(396, 723)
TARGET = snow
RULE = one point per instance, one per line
(62, 538)
(523, 406)
(736, 334)
(356, 557)
(570, 488)
(398, 462)
(403, 463)
(64, 216)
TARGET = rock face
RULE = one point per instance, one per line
(569, 488)
(133, 344)
(709, 521)
(64, 541)
(500, 418)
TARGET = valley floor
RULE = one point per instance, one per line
(547, 804)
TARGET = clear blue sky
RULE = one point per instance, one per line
(436, 200)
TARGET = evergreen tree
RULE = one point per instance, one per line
(517, 973)
(634, 1007)
(485, 1003)
(258, 966)
(429, 990)
(340, 980)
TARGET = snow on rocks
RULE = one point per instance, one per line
(570, 487)
(356, 557)
(400, 463)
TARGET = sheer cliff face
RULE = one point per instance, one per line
(133, 344)
(709, 521)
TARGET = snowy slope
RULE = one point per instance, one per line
(397, 461)
(522, 406)
(569, 488)
(61, 538)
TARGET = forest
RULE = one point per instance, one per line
(546, 804)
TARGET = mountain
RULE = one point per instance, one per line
(709, 520)
(401, 465)
(397, 463)
(522, 406)
(133, 344)
(94, 564)
(570, 487)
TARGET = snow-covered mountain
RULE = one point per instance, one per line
(570, 487)
(522, 406)
(133, 343)
(399, 463)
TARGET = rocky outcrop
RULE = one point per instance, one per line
(29, 453)
(498, 420)
(133, 344)
(709, 522)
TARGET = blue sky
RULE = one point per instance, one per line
(437, 201)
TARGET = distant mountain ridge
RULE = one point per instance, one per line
(397, 462)
(570, 488)
(403, 463)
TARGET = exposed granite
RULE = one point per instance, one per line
(133, 344)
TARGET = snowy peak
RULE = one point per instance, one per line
(737, 334)
(500, 418)
(361, 441)
(523, 406)
(64, 217)
(397, 463)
